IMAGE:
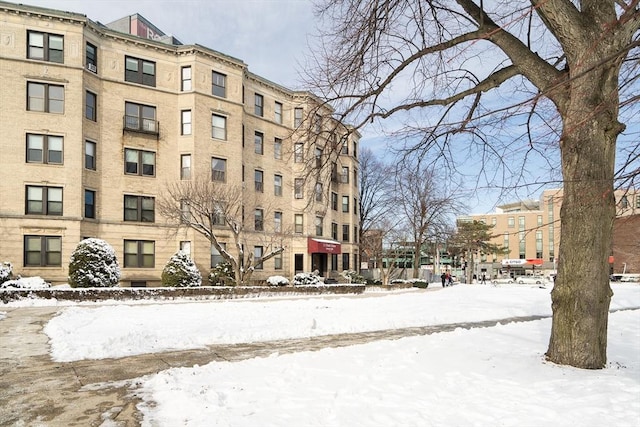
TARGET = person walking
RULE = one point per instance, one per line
(443, 277)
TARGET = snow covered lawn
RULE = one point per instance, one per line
(494, 376)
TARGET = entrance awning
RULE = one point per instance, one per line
(323, 246)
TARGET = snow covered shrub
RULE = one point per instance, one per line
(181, 272)
(93, 264)
(26, 283)
(352, 276)
(221, 275)
(6, 270)
(306, 279)
(277, 281)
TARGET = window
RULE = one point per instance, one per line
(138, 162)
(334, 201)
(218, 127)
(345, 203)
(505, 240)
(258, 141)
(46, 47)
(185, 79)
(259, 220)
(277, 222)
(355, 148)
(219, 84)
(139, 71)
(319, 225)
(277, 185)
(277, 148)
(185, 166)
(277, 261)
(511, 222)
(185, 122)
(185, 247)
(334, 231)
(90, 155)
(298, 185)
(44, 149)
(297, 117)
(355, 177)
(344, 178)
(298, 223)
(257, 256)
(139, 208)
(355, 234)
(45, 98)
(216, 258)
(345, 146)
(345, 233)
(91, 106)
(538, 244)
(139, 253)
(345, 261)
(319, 192)
(259, 105)
(185, 212)
(318, 157)
(141, 118)
(43, 200)
(298, 152)
(355, 206)
(317, 123)
(42, 251)
(277, 112)
(624, 202)
(539, 219)
(91, 57)
(259, 180)
(89, 204)
(218, 169)
(638, 201)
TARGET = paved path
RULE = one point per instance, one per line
(35, 391)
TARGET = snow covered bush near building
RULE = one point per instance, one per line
(221, 275)
(6, 270)
(306, 279)
(93, 264)
(277, 281)
(180, 272)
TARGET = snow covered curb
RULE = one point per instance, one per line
(203, 292)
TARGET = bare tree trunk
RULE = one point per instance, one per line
(582, 294)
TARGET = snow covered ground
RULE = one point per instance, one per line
(493, 376)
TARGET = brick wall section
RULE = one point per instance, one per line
(626, 244)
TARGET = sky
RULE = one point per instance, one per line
(488, 376)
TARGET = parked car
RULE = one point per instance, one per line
(531, 280)
(502, 280)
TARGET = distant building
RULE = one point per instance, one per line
(96, 120)
(530, 231)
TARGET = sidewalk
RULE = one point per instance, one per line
(35, 391)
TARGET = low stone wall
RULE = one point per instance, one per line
(204, 292)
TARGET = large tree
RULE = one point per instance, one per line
(466, 71)
(216, 210)
(375, 190)
(423, 204)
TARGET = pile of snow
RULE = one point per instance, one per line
(26, 283)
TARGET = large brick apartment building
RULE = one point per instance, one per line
(96, 120)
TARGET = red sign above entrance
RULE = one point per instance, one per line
(323, 246)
